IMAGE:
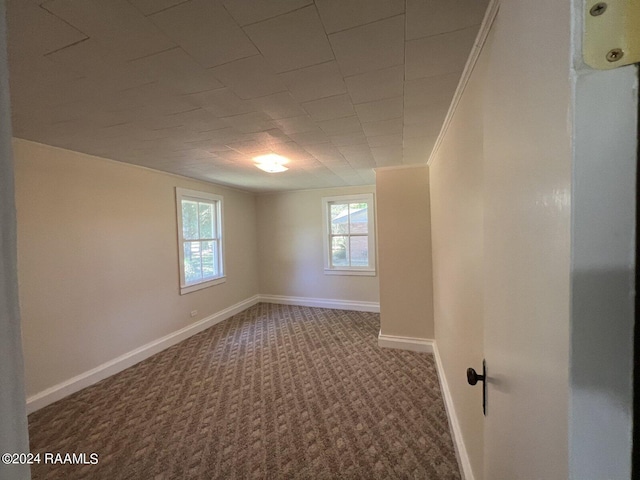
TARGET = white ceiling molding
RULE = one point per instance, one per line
(478, 45)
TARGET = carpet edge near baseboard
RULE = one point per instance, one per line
(74, 384)
(332, 303)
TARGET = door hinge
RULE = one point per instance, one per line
(611, 33)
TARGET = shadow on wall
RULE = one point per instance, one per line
(601, 375)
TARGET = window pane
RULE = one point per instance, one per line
(208, 266)
(216, 258)
(206, 220)
(359, 247)
(192, 262)
(189, 220)
(340, 251)
(339, 218)
(358, 218)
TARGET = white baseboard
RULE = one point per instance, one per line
(406, 343)
(454, 425)
(322, 303)
(61, 390)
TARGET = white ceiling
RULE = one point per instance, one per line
(199, 87)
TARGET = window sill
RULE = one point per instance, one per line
(365, 273)
(200, 286)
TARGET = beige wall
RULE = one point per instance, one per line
(457, 226)
(290, 246)
(404, 252)
(98, 259)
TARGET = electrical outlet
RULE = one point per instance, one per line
(194, 313)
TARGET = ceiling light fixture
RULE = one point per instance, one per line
(271, 163)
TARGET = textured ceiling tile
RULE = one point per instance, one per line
(385, 140)
(387, 156)
(278, 106)
(250, 77)
(358, 155)
(300, 124)
(250, 122)
(103, 118)
(291, 41)
(24, 18)
(426, 18)
(158, 123)
(178, 70)
(370, 47)
(115, 24)
(310, 138)
(419, 130)
(317, 81)
(439, 55)
(164, 110)
(330, 108)
(233, 156)
(273, 136)
(377, 85)
(222, 102)
(325, 152)
(425, 114)
(199, 120)
(383, 127)
(39, 83)
(294, 152)
(431, 90)
(257, 10)
(339, 126)
(380, 110)
(341, 15)
(249, 148)
(148, 7)
(206, 32)
(105, 71)
(222, 136)
(153, 98)
(348, 139)
(368, 176)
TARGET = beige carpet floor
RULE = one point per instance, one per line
(275, 392)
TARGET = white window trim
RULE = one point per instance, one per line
(371, 235)
(183, 193)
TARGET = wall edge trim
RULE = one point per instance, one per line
(476, 50)
(400, 167)
(406, 343)
(454, 425)
(322, 303)
(116, 365)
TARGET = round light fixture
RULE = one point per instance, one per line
(271, 163)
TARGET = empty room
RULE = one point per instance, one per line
(318, 239)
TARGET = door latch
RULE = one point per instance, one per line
(473, 378)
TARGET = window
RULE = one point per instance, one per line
(199, 239)
(349, 235)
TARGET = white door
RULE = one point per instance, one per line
(559, 183)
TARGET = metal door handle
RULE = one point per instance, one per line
(474, 377)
